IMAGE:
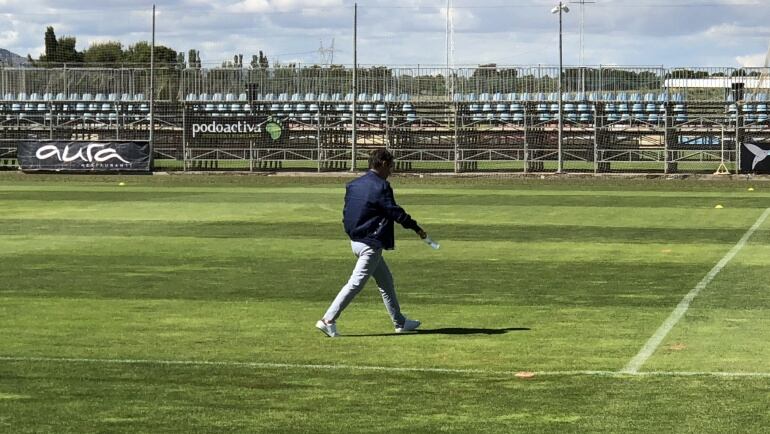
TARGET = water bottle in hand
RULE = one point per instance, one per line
(431, 243)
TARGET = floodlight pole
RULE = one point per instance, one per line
(152, 90)
(560, 165)
(355, 88)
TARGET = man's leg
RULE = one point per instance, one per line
(368, 260)
(388, 291)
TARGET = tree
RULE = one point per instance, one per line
(140, 53)
(263, 63)
(60, 50)
(109, 53)
(66, 52)
(50, 44)
(194, 58)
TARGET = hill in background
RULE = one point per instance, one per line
(8, 58)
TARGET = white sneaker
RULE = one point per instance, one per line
(327, 329)
(409, 325)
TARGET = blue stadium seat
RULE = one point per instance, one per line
(554, 107)
(568, 107)
(761, 108)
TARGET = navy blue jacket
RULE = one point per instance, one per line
(370, 211)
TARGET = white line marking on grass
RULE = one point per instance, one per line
(652, 344)
(262, 365)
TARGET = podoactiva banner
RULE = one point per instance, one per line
(68, 156)
(754, 157)
(206, 129)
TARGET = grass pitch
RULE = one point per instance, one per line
(187, 304)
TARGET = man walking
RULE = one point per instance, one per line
(368, 217)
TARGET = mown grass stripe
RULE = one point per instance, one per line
(652, 344)
(267, 365)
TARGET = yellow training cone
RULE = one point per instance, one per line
(751, 188)
(719, 207)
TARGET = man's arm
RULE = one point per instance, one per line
(394, 212)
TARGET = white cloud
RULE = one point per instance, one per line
(8, 38)
(299, 6)
(751, 60)
(734, 30)
(250, 6)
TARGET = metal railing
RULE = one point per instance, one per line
(417, 83)
(660, 136)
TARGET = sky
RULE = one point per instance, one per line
(669, 33)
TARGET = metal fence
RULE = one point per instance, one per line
(472, 119)
(175, 83)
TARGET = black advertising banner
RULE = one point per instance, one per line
(68, 156)
(754, 158)
(207, 129)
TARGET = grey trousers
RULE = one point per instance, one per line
(370, 263)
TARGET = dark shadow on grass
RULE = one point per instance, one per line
(449, 331)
